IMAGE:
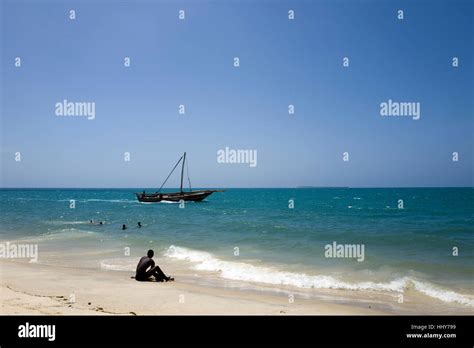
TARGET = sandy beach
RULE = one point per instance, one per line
(30, 288)
(42, 289)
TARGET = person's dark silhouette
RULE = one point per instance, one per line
(139, 224)
(124, 227)
(146, 269)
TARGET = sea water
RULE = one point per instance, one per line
(422, 238)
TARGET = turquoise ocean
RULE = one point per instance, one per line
(253, 235)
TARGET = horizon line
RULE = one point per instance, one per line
(228, 187)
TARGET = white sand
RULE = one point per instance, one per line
(29, 288)
(40, 289)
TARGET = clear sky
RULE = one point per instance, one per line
(282, 62)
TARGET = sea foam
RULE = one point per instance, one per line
(247, 272)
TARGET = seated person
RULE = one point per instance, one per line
(146, 268)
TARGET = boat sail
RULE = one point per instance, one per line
(194, 196)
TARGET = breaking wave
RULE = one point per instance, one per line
(246, 272)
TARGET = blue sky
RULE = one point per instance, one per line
(282, 62)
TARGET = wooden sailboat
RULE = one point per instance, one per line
(195, 196)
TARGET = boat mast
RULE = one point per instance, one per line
(182, 173)
(172, 170)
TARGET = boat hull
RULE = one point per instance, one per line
(191, 196)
